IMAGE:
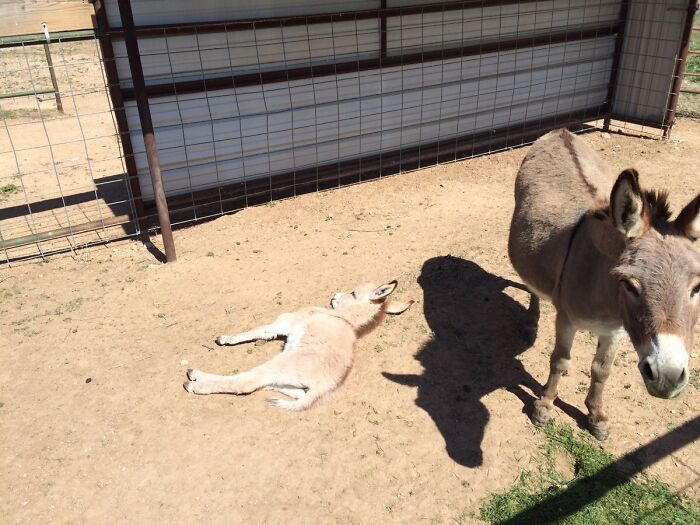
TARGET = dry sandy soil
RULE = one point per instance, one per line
(94, 347)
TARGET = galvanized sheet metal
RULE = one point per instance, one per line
(232, 135)
(650, 49)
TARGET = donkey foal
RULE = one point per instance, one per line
(317, 355)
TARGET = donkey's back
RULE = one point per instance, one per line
(560, 179)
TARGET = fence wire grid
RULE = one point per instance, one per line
(63, 184)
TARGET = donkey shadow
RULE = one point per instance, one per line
(477, 337)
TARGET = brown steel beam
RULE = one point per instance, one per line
(132, 49)
(680, 68)
(617, 54)
(300, 73)
(115, 93)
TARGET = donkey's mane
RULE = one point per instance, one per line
(657, 200)
(657, 204)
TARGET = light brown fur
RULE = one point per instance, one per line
(607, 256)
(318, 353)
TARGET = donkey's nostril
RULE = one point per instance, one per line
(683, 376)
(647, 371)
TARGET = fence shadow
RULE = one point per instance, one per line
(474, 351)
(591, 488)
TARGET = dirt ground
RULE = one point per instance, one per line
(97, 427)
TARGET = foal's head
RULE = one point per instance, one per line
(659, 281)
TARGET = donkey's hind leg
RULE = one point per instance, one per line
(276, 371)
(558, 366)
(533, 318)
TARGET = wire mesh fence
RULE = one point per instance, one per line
(248, 110)
(63, 183)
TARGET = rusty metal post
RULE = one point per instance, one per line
(149, 139)
(49, 61)
(617, 55)
(680, 68)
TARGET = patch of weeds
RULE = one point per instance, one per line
(695, 378)
(598, 493)
(70, 306)
(8, 189)
(210, 254)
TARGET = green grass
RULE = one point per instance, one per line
(689, 103)
(692, 65)
(599, 493)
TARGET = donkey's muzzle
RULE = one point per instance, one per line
(665, 368)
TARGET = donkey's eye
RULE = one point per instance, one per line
(629, 287)
(695, 291)
(353, 294)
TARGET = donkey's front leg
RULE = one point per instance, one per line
(279, 328)
(558, 366)
(600, 370)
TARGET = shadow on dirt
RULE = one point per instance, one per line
(473, 352)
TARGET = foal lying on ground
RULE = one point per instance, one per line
(317, 355)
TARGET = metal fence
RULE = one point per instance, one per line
(249, 107)
(63, 182)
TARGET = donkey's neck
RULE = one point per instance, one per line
(362, 317)
(587, 290)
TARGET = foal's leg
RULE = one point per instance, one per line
(279, 328)
(558, 366)
(600, 370)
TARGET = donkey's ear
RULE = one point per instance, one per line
(627, 205)
(383, 291)
(688, 220)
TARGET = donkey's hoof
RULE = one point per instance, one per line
(189, 386)
(192, 374)
(221, 340)
(541, 413)
(599, 430)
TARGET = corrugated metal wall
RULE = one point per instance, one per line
(238, 102)
(649, 53)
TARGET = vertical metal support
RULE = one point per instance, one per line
(115, 94)
(132, 50)
(680, 69)
(382, 29)
(52, 72)
(615, 73)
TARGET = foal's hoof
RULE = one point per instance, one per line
(192, 374)
(189, 386)
(599, 430)
(541, 413)
(221, 340)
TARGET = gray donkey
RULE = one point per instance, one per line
(605, 253)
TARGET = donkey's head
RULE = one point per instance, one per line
(365, 306)
(659, 281)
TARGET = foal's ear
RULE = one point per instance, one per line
(383, 291)
(627, 205)
(688, 220)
